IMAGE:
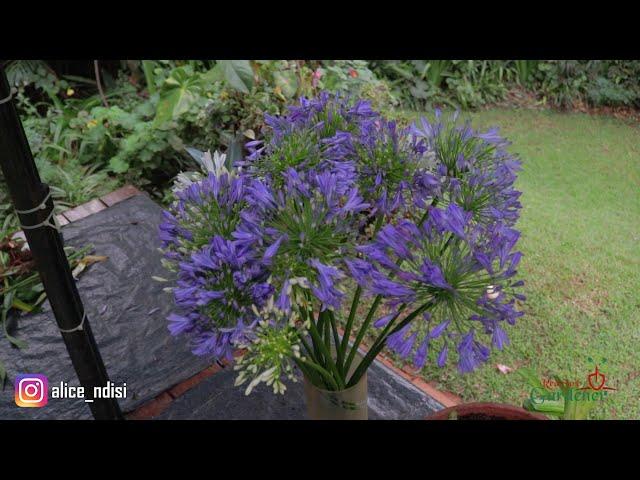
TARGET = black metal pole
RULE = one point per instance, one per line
(45, 242)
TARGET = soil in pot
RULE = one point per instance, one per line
(485, 411)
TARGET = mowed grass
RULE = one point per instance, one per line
(580, 229)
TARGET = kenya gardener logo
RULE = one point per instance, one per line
(592, 388)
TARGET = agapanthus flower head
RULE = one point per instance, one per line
(219, 277)
(436, 266)
(391, 166)
(473, 168)
(204, 208)
(314, 136)
(216, 291)
(333, 133)
(305, 229)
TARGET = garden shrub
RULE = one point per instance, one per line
(419, 84)
(465, 83)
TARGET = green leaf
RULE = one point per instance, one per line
(287, 81)
(576, 409)
(234, 151)
(6, 306)
(178, 93)
(118, 165)
(552, 407)
(147, 68)
(216, 74)
(530, 376)
(20, 305)
(238, 74)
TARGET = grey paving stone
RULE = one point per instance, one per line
(390, 397)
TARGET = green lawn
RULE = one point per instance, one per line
(581, 240)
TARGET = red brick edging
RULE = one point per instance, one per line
(159, 404)
(93, 206)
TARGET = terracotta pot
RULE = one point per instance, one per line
(485, 411)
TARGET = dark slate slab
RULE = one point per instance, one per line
(391, 397)
(127, 311)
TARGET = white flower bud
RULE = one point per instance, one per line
(492, 293)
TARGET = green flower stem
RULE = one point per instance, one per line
(308, 316)
(349, 325)
(354, 305)
(311, 374)
(361, 332)
(304, 369)
(326, 335)
(307, 347)
(375, 304)
(327, 330)
(320, 330)
(325, 375)
(336, 342)
(315, 335)
(381, 341)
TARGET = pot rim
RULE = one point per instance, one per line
(503, 410)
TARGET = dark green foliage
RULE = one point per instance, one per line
(465, 83)
(420, 84)
(563, 83)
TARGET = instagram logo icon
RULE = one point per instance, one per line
(31, 390)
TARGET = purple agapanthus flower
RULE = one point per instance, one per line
(304, 227)
(473, 169)
(449, 264)
(205, 236)
(335, 194)
(215, 291)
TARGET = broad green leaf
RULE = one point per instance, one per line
(118, 165)
(576, 409)
(238, 74)
(216, 74)
(147, 68)
(178, 93)
(287, 81)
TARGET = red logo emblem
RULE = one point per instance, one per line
(596, 381)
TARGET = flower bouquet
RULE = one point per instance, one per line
(340, 211)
